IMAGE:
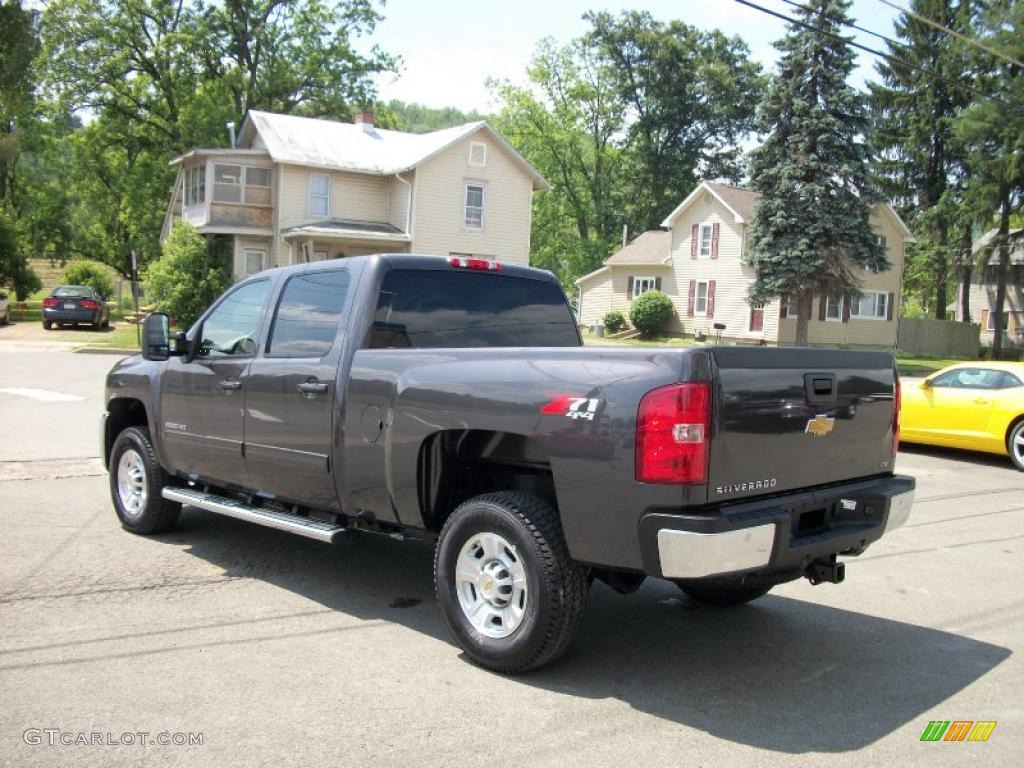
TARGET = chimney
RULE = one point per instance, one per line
(231, 134)
(364, 117)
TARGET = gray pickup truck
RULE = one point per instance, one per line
(453, 400)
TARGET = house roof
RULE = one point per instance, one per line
(651, 247)
(348, 229)
(361, 148)
(1016, 253)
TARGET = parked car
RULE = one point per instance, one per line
(452, 400)
(974, 406)
(74, 304)
(5, 309)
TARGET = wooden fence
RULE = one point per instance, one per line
(941, 338)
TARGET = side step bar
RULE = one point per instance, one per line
(311, 529)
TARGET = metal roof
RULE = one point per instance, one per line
(348, 228)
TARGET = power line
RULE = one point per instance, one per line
(850, 24)
(875, 52)
(959, 35)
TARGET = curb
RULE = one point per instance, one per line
(122, 351)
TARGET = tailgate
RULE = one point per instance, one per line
(795, 418)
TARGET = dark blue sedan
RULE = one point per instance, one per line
(74, 304)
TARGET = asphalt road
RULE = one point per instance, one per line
(283, 651)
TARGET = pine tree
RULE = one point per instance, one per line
(811, 232)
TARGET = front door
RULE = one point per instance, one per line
(957, 404)
(292, 398)
(201, 402)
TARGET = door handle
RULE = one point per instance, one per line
(230, 385)
(981, 400)
(311, 388)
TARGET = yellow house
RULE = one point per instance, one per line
(296, 189)
(698, 259)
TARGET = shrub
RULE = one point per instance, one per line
(187, 277)
(651, 312)
(614, 321)
(91, 273)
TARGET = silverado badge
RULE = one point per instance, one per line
(820, 425)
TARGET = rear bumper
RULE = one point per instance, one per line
(72, 315)
(781, 535)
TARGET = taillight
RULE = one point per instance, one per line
(673, 427)
(50, 303)
(896, 401)
(484, 264)
(87, 304)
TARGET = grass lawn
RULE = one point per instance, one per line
(656, 341)
(121, 336)
(922, 366)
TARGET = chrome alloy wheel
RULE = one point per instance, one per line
(131, 482)
(1017, 446)
(491, 583)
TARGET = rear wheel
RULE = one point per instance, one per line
(508, 590)
(136, 483)
(47, 324)
(720, 596)
(1015, 444)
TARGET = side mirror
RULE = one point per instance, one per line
(156, 337)
(926, 384)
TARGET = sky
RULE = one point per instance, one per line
(450, 47)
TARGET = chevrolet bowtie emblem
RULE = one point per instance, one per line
(820, 425)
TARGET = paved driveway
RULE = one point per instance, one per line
(283, 651)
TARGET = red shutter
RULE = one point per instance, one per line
(821, 308)
(694, 236)
(711, 298)
(784, 307)
(714, 241)
(693, 297)
(888, 306)
(629, 289)
(846, 307)
(657, 283)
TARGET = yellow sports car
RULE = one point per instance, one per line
(977, 406)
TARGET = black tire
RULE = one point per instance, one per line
(155, 513)
(1015, 445)
(722, 596)
(556, 586)
(47, 325)
(96, 326)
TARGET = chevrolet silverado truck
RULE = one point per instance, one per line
(452, 399)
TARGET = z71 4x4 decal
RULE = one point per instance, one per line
(572, 406)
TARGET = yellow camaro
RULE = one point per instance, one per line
(977, 406)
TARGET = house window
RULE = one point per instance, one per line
(241, 184)
(870, 305)
(643, 285)
(792, 308)
(477, 153)
(700, 302)
(834, 308)
(705, 239)
(991, 326)
(319, 194)
(254, 260)
(473, 215)
(257, 185)
(195, 185)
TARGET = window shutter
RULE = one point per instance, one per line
(784, 307)
(821, 308)
(711, 298)
(694, 236)
(846, 307)
(692, 298)
(629, 289)
(889, 306)
(714, 241)
(657, 283)
(984, 319)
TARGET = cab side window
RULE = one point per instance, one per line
(230, 330)
(308, 314)
(969, 378)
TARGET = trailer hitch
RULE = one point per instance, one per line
(821, 571)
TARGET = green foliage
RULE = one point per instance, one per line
(188, 277)
(811, 232)
(91, 273)
(417, 118)
(651, 312)
(614, 321)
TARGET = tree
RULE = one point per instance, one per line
(91, 273)
(18, 48)
(811, 232)
(417, 118)
(919, 163)
(188, 277)
(691, 96)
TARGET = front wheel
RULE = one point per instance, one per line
(136, 483)
(1015, 444)
(720, 596)
(508, 590)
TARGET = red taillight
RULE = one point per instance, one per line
(673, 427)
(87, 304)
(484, 264)
(50, 303)
(896, 401)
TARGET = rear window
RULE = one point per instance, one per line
(308, 314)
(70, 291)
(425, 309)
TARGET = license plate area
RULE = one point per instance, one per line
(70, 305)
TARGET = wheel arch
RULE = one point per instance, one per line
(122, 412)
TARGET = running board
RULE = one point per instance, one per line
(303, 526)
